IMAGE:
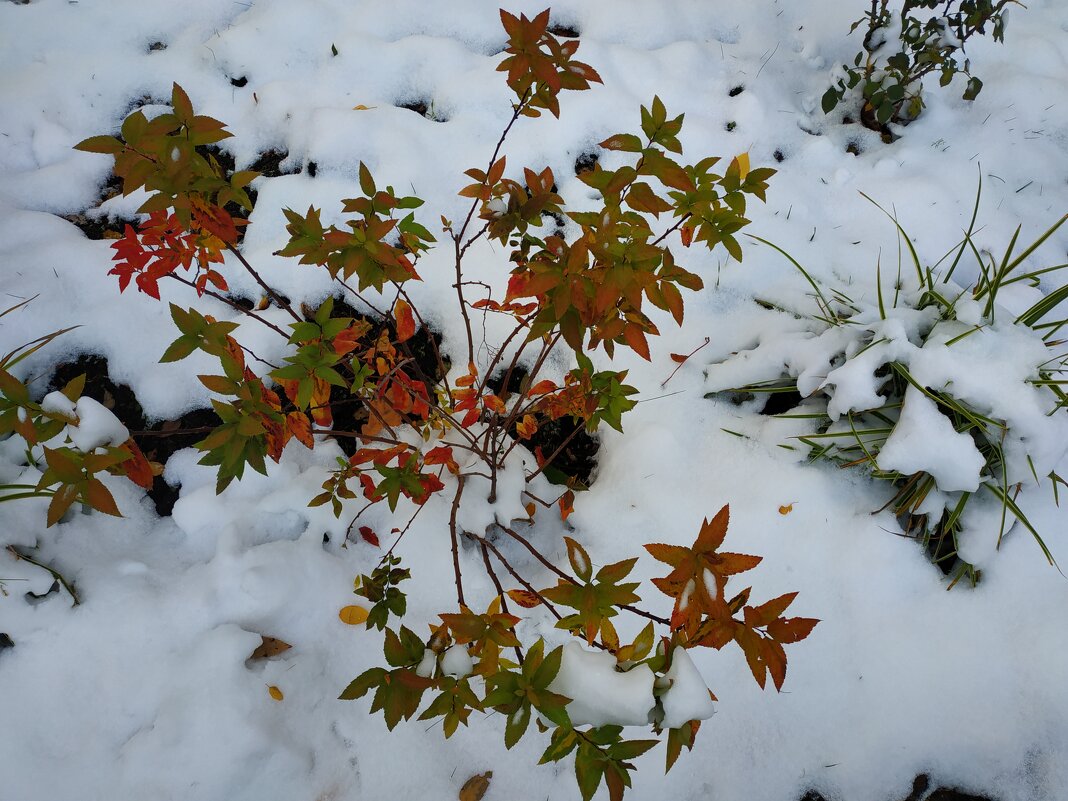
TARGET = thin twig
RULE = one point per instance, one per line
(263, 284)
(456, 543)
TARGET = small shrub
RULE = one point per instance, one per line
(426, 428)
(934, 389)
(901, 46)
(87, 440)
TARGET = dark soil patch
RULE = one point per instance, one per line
(736, 90)
(101, 227)
(854, 148)
(779, 156)
(159, 441)
(155, 47)
(781, 402)
(730, 126)
(269, 164)
(586, 162)
(424, 107)
(312, 169)
(574, 464)
(563, 31)
(239, 82)
(348, 412)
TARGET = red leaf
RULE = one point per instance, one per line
(137, 468)
(402, 312)
(369, 535)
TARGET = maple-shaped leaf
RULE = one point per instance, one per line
(596, 601)
(700, 572)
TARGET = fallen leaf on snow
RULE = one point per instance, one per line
(271, 646)
(353, 615)
(475, 787)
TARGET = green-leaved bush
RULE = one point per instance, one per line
(904, 44)
(425, 427)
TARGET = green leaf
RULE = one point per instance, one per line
(360, 685)
(367, 183)
(628, 143)
(830, 100)
(516, 725)
(579, 559)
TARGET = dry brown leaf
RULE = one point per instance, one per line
(271, 646)
(475, 787)
(353, 615)
(786, 509)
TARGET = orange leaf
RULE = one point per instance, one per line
(100, 498)
(567, 504)
(527, 427)
(300, 427)
(353, 615)
(275, 693)
(786, 509)
(791, 629)
(525, 598)
(635, 337)
(402, 312)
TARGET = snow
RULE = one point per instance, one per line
(686, 698)
(146, 687)
(599, 694)
(924, 439)
(456, 661)
(97, 426)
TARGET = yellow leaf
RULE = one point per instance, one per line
(785, 510)
(275, 693)
(362, 107)
(475, 787)
(743, 165)
(353, 615)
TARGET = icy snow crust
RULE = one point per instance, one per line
(144, 691)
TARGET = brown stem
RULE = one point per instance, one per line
(458, 237)
(537, 555)
(263, 284)
(361, 298)
(456, 543)
(231, 304)
(559, 449)
(672, 229)
(404, 531)
(507, 566)
(174, 433)
(680, 364)
(500, 593)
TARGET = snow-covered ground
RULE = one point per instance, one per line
(145, 691)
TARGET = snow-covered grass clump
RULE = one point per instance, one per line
(941, 391)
